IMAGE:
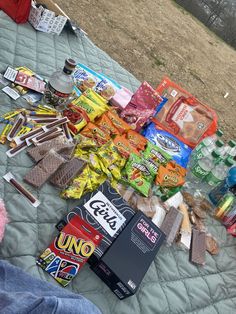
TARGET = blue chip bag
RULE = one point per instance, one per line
(179, 151)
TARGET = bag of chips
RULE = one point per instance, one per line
(170, 175)
(106, 125)
(124, 147)
(136, 140)
(184, 116)
(120, 124)
(94, 132)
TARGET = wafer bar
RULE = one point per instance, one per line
(171, 224)
(21, 189)
(67, 172)
(198, 247)
(44, 169)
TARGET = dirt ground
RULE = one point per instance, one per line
(153, 38)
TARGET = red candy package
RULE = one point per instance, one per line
(141, 107)
(71, 249)
(183, 115)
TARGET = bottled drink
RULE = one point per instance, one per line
(230, 148)
(60, 86)
(210, 140)
(219, 172)
(228, 184)
(202, 167)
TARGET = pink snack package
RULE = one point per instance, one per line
(121, 98)
(141, 107)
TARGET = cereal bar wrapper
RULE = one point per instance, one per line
(70, 250)
(138, 174)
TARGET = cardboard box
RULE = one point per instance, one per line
(106, 211)
(50, 20)
(126, 262)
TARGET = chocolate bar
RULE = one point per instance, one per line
(106, 211)
(55, 124)
(44, 169)
(171, 224)
(16, 150)
(67, 172)
(126, 262)
(198, 247)
(19, 122)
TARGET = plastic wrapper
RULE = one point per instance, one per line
(85, 78)
(142, 106)
(155, 157)
(94, 132)
(136, 140)
(185, 116)
(38, 175)
(63, 176)
(171, 175)
(77, 116)
(4, 133)
(138, 174)
(124, 147)
(21, 189)
(95, 97)
(179, 151)
(19, 122)
(121, 98)
(17, 149)
(106, 125)
(171, 224)
(120, 124)
(164, 193)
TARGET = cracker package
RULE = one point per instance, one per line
(71, 249)
(183, 115)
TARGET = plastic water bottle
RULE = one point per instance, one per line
(202, 168)
(210, 140)
(60, 86)
(230, 149)
(219, 172)
(227, 185)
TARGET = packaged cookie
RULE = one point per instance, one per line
(184, 116)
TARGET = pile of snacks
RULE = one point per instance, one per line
(109, 142)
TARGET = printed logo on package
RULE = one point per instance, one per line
(105, 213)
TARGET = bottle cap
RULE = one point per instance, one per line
(70, 65)
(229, 161)
(219, 133)
(219, 143)
(232, 143)
(215, 154)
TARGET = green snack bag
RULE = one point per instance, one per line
(138, 174)
(155, 157)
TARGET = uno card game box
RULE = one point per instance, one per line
(106, 211)
(70, 250)
(126, 262)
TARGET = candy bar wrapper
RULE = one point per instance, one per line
(16, 150)
(171, 224)
(67, 172)
(71, 249)
(142, 106)
(19, 122)
(198, 247)
(44, 169)
(21, 189)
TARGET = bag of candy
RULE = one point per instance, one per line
(142, 106)
(138, 174)
(179, 151)
(183, 115)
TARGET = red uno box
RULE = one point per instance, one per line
(70, 250)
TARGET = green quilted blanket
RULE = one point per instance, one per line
(172, 284)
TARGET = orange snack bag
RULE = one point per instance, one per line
(136, 140)
(106, 125)
(93, 131)
(120, 124)
(183, 115)
(171, 175)
(124, 147)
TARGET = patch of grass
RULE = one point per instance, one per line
(157, 61)
(196, 76)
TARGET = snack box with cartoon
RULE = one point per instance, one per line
(126, 262)
(70, 250)
(106, 211)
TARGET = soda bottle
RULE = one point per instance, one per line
(202, 167)
(227, 185)
(219, 172)
(60, 86)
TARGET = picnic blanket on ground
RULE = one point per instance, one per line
(172, 284)
(26, 294)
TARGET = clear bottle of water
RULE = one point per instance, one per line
(210, 140)
(202, 168)
(230, 149)
(219, 172)
(60, 86)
